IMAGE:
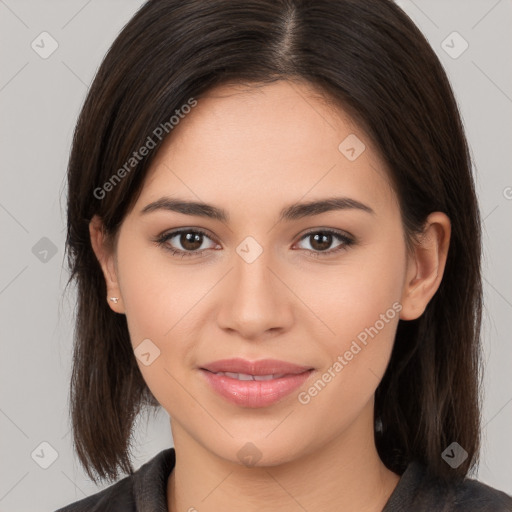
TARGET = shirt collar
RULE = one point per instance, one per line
(150, 482)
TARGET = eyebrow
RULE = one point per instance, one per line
(293, 212)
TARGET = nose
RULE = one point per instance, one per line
(254, 299)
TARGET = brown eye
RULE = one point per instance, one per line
(189, 242)
(321, 240)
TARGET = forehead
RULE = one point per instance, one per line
(277, 142)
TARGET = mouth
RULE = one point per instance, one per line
(260, 384)
(246, 376)
(243, 369)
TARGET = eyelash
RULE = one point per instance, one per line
(162, 239)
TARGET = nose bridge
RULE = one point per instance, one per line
(253, 301)
(252, 277)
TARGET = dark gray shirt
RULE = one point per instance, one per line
(146, 491)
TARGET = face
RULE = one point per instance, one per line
(321, 288)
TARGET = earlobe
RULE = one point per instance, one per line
(106, 258)
(426, 266)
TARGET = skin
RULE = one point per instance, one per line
(253, 151)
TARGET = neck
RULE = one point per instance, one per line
(343, 474)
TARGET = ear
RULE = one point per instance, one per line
(425, 266)
(106, 256)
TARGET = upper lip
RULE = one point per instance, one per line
(261, 367)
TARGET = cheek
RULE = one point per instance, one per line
(360, 303)
(353, 294)
(156, 292)
(162, 307)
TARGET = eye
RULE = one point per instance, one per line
(190, 240)
(322, 239)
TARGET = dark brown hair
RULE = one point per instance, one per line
(370, 59)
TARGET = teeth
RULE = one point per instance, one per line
(266, 377)
(245, 376)
(239, 376)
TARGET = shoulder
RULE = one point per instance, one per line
(146, 485)
(471, 495)
(118, 496)
(420, 492)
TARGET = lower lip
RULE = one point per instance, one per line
(253, 393)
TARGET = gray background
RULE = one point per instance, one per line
(39, 103)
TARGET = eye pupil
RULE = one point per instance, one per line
(191, 241)
(324, 243)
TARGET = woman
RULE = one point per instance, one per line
(274, 232)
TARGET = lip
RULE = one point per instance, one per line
(261, 367)
(255, 393)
